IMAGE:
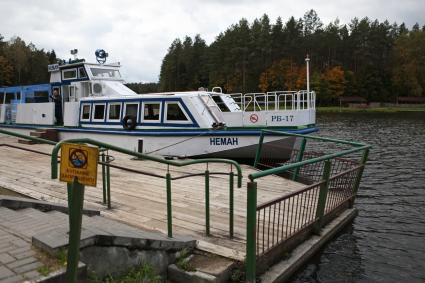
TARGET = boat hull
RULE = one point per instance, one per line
(234, 144)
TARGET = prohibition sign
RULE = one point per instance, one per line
(78, 158)
(253, 118)
(79, 161)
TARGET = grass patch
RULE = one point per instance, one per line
(183, 262)
(62, 257)
(43, 270)
(143, 274)
(50, 263)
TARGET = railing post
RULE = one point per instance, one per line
(251, 233)
(207, 202)
(75, 212)
(231, 177)
(108, 182)
(298, 100)
(259, 148)
(103, 177)
(359, 175)
(169, 208)
(299, 158)
(321, 203)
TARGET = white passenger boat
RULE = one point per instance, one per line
(96, 104)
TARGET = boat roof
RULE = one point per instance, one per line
(149, 95)
(74, 64)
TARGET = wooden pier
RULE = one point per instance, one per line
(140, 200)
(280, 214)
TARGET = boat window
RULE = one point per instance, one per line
(9, 97)
(114, 111)
(69, 74)
(99, 112)
(105, 73)
(82, 73)
(85, 113)
(131, 109)
(175, 113)
(151, 111)
(220, 103)
(1, 98)
(41, 96)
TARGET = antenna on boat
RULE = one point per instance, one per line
(74, 52)
(307, 62)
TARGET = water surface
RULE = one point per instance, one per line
(386, 242)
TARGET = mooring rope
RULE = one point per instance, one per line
(156, 150)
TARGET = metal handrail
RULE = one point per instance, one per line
(25, 149)
(317, 221)
(56, 149)
(54, 175)
(305, 137)
(39, 140)
(298, 100)
(281, 169)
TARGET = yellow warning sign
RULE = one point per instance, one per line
(79, 161)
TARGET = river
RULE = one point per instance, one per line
(386, 242)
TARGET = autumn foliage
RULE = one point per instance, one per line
(375, 60)
(283, 75)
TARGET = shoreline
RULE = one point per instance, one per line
(337, 109)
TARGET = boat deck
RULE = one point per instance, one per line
(140, 200)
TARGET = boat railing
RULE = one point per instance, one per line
(275, 100)
(331, 180)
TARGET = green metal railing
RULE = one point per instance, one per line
(22, 136)
(54, 162)
(271, 224)
(105, 162)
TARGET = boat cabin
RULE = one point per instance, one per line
(177, 110)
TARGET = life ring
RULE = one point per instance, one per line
(129, 122)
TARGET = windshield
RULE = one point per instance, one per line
(220, 103)
(105, 73)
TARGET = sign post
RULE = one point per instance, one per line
(75, 213)
(78, 167)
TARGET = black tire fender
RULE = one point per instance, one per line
(129, 122)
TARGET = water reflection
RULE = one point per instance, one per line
(387, 239)
(327, 267)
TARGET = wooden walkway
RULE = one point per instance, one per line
(140, 200)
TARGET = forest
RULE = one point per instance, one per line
(375, 60)
(22, 63)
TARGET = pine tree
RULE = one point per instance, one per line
(365, 58)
